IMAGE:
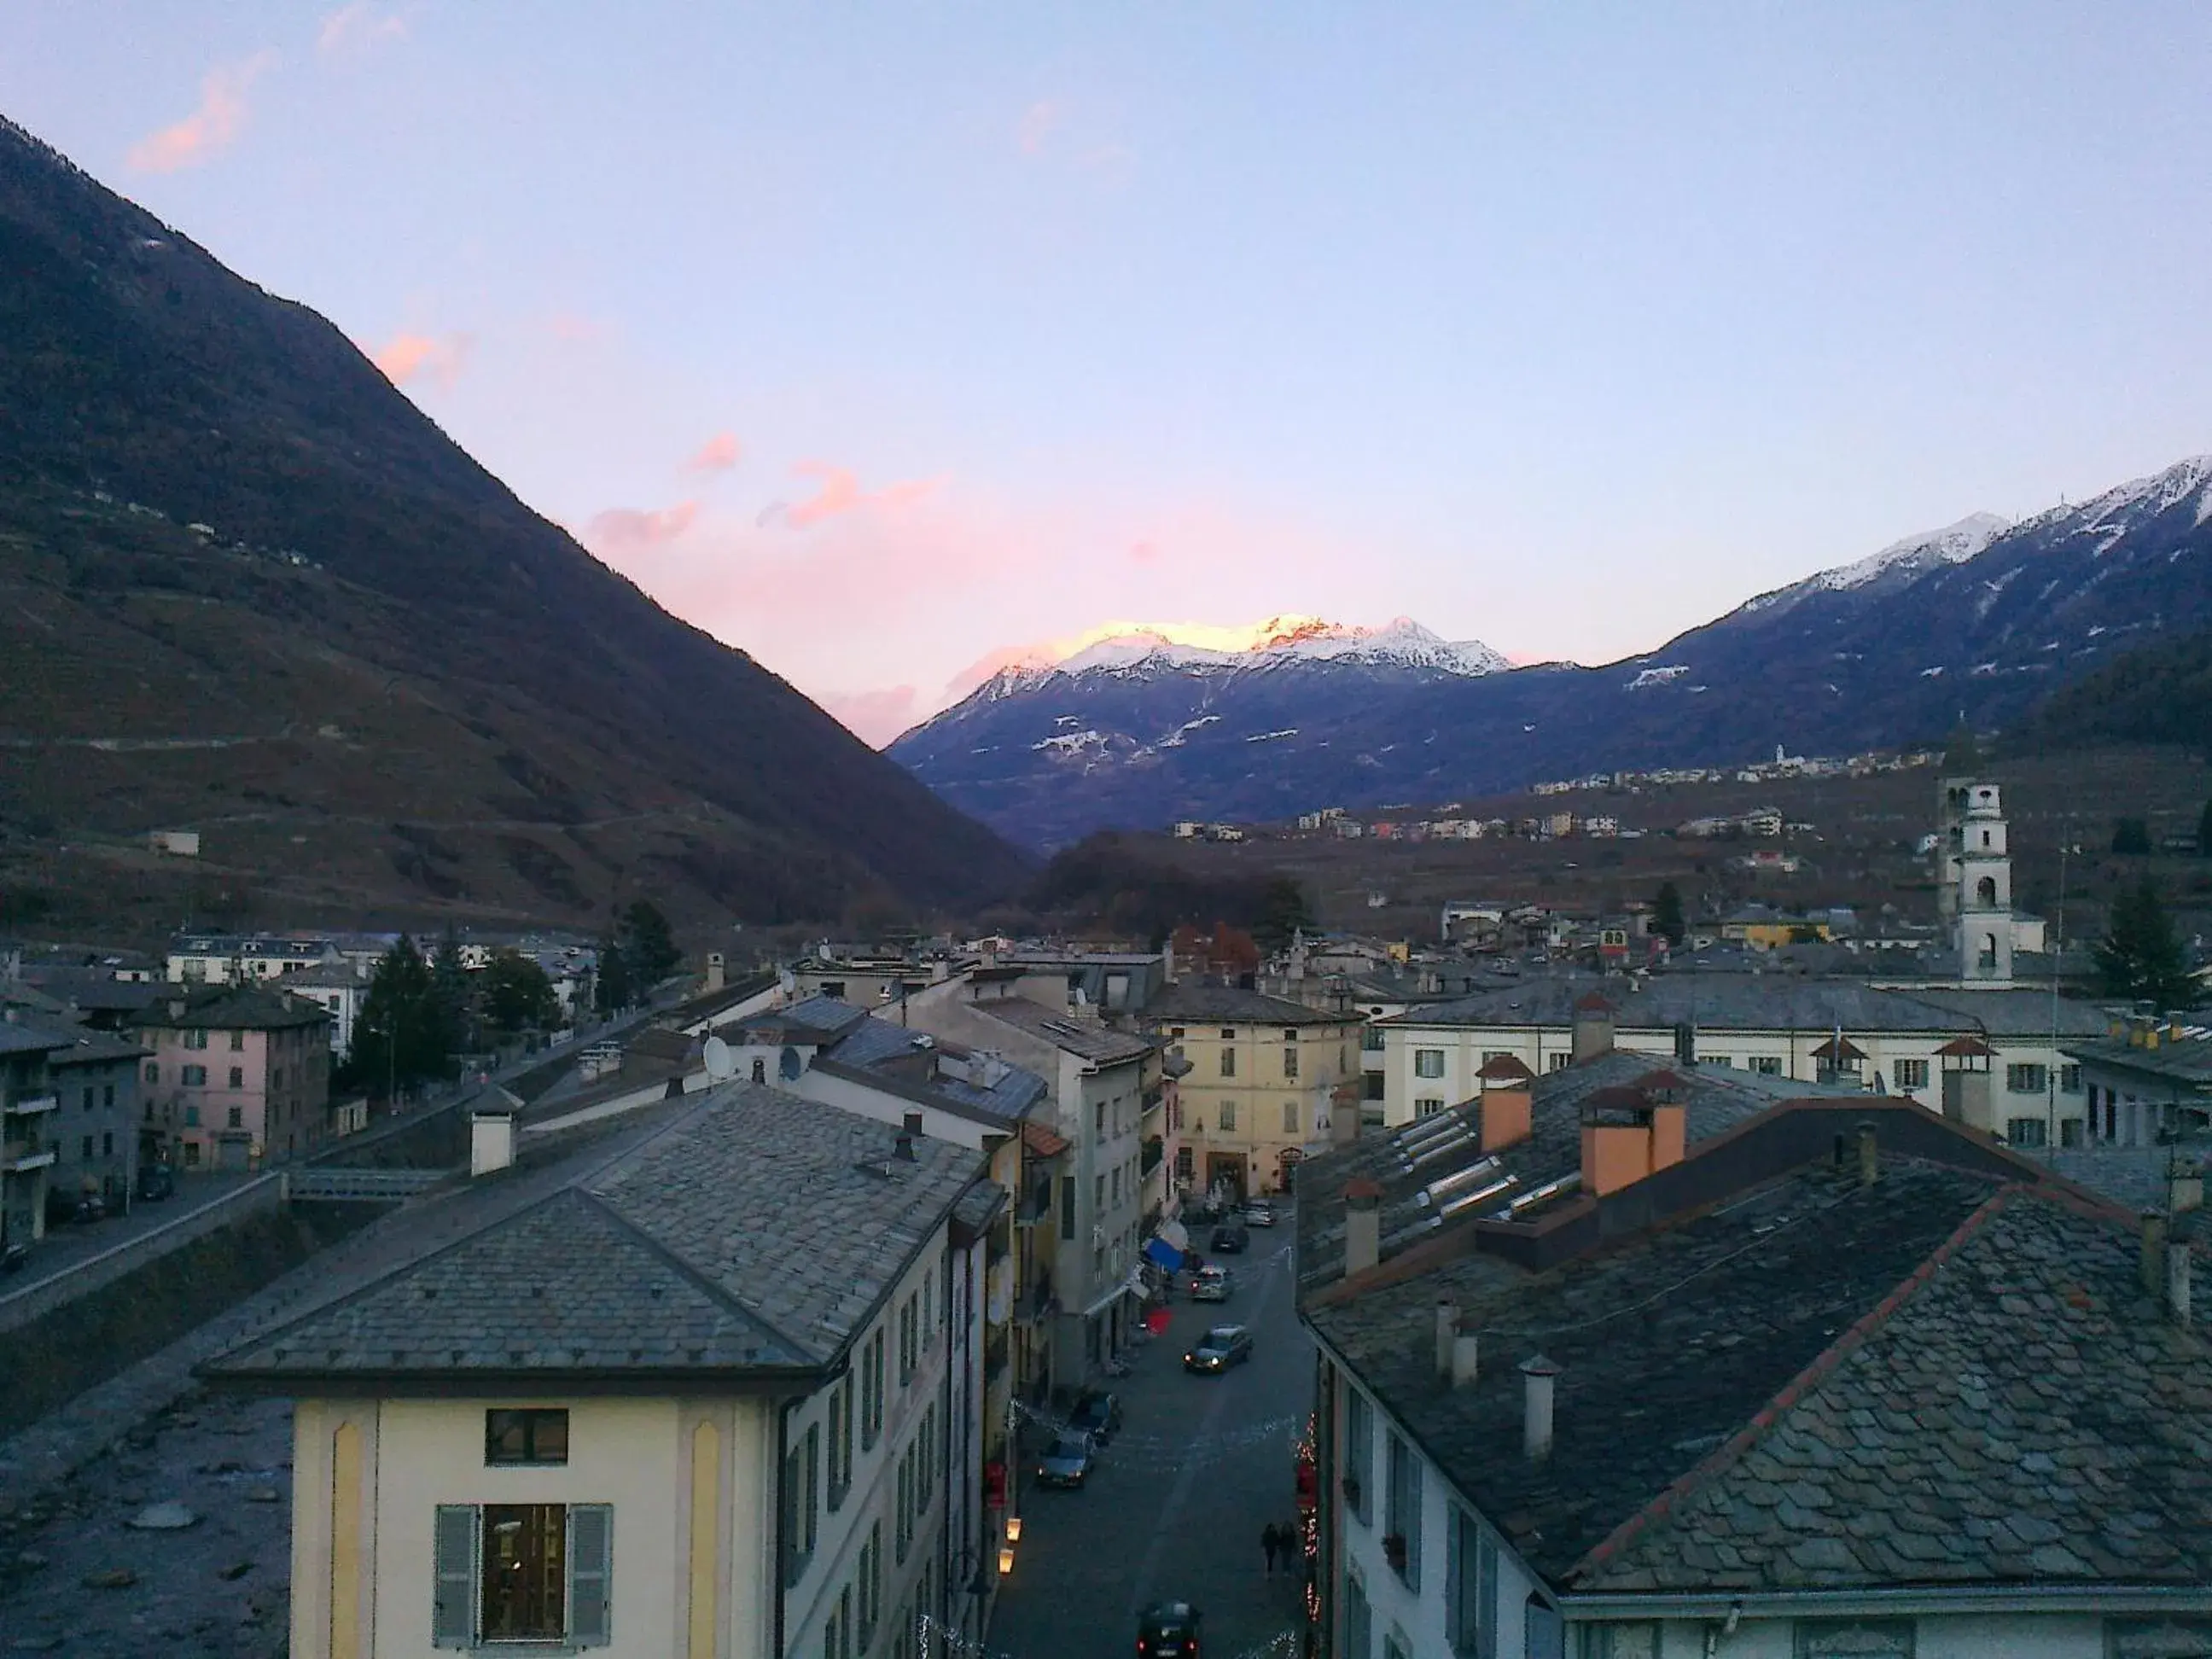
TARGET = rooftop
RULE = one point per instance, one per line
(2186, 1062)
(230, 1008)
(1189, 1002)
(683, 1255)
(1099, 1045)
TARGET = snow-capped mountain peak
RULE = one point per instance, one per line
(1955, 544)
(1272, 643)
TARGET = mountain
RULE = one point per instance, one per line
(1983, 618)
(255, 591)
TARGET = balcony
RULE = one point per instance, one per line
(1149, 1158)
(1035, 1203)
(1155, 1098)
(19, 1157)
(1037, 1301)
(32, 1105)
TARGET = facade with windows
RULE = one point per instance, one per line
(653, 1404)
(234, 1076)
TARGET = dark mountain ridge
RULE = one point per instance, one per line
(168, 429)
(1981, 620)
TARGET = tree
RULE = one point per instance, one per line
(1282, 912)
(2140, 957)
(610, 991)
(2130, 836)
(402, 1036)
(648, 951)
(452, 997)
(1962, 753)
(1667, 914)
(2205, 832)
(516, 993)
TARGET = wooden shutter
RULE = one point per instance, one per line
(591, 1574)
(453, 1611)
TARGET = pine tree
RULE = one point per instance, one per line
(648, 951)
(610, 991)
(403, 1036)
(1283, 914)
(2140, 957)
(1667, 914)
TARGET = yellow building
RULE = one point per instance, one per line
(1263, 1071)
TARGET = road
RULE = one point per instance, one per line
(1174, 1508)
(68, 1244)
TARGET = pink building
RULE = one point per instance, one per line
(238, 1075)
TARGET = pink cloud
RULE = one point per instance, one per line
(406, 357)
(1036, 126)
(841, 493)
(211, 128)
(358, 25)
(622, 530)
(1144, 553)
(874, 717)
(717, 454)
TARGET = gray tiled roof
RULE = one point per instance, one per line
(1758, 1002)
(1189, 1002)
(1102, 1045)
(21, 1037)
(80, 1045)
(821, 1018)
(228, 1008)
(2019, 1012)
(903, 1061)
(2188, 1062)
(757, 1232)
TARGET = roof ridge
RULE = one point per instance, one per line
(1823, 1364)
(701, 1281)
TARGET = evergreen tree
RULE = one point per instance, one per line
(1667, 915)
(2131, 836)
(1282, 912)
(649, 952)
(452, 997)
(2205, 832)
(2140, 957)
(610, 991)
(401, 1037)
(517, 995)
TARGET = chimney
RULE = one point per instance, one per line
(913, 1125)
(1363, 1224)
(1593, 1028)
(1507, 1102)
(2177, 1284)
(2152, 1268)
(1344, 1114)
(1870, 1156)
(491, 1142)
(902, 1147)
(1537, 1376)
(2184, 1185)
(716, 977)
(1685, 1043)
(1466, 1357)
(1447, 1330)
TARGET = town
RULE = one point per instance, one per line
(876, 1287)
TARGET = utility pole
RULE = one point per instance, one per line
(2057, 955)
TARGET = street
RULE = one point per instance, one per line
(1175, 1505)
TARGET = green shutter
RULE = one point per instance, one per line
(591, 1574)
(454, 1613)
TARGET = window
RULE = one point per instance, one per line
(1098, 1120)
(536, 1436)
(833, 987)
(1371, 1040)
(760, 1075)
(2069, 1080)
(235, 1119)
(196, 1077)
(522, 1572)
(872, 1391)
(1229, 1034)
(1428, 1105)
(192, 1121)
(153, 1072)
(870, 1579)
(237, 1042)
(2026, 1131)
(1228, 1117)
(238, 1076)
(1114, 1184)
(1402, 1503)
(1359, 1621)
(107, 1144)
(275, 1077)
(1358, 1450)
(1861, 1638)
(1290, 1117)
(1098, 1192)
(196, 1039)
(1767, 1065)
(1639, 1640)
(1067, 1206)
(903, 1511)
(840, 1441)
(1396, 1646)
(1557, 1062)
(1290, 1065)
(1470, 1588)
(802, 1509)
(924, 1445)
(837, 1631)
(1428, 1062)
(86, 1153)
(1186, 1164)
(1371, 1086)
(2027, 1079)
(1229, 1062)
(86, 1102)
(1912, 1074)
(910, 1339)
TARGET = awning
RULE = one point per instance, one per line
(1168, 1247)
(1129, 1286)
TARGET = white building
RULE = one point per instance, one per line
(660, 1409)
(337, 987)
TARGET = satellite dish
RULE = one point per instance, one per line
(721, 1064)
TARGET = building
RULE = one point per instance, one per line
(233, 958)
(338, 988)
(28, 1105)
(94, 1128)
(2148, 1080)
(237, 1074)
(1780, 1025)
(1263, 1071)
(1819, 1387)
(694, 1394)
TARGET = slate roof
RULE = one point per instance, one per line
(1717, 1099)
(1188, 1002)
(80, 1045)
(230, 1008)
(906, 1062)
(21, 1037)
(811, 1019)
(1101, 1045)
(2188, 1062)
(1754, 1002)
(749, 1239)
(1940, 1380)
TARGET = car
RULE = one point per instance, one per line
(1258, 1213)
(1218, 1349)
(1168, 1629)
(1230, 1240)
(1212, 1284)
(1097, 1414)
(1199, 1214)
(1067, 1462)
(157, 1181)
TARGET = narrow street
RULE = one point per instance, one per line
(1174, 1506)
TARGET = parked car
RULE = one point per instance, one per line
(1230, 1240)
(1066, 1462)
(1168, 1629)
(1198, 1214)
(1218, 1349)
(1212, 1284)
(1258, 1213)
(157, 1181)
(1097, 1414)
(63, 1206)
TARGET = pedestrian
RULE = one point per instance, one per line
(1271, 1540)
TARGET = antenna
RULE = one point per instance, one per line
(721, 1064)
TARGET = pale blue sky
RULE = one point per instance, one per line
(1563, 327)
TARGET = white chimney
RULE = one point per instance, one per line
(491, 1142)
(1447, 1328)
(1466, 1357)
(1363, 1224)
(1537, 1376)
(2177, 1284)
(716, 971)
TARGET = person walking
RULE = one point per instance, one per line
(1271, 1540)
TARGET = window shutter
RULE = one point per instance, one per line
(591, 1574)
(452, 1614)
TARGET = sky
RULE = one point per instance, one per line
(883, 342)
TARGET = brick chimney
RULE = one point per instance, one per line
(1627, 1135)
(1593, 1028)
(1363, 1224)
(1537, 1376)
(1344, 1114)
(1508, 1100)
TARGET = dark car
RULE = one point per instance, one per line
(157, 1181)
(1066, 1462)
(1218, 1349)
(1096, 1414)
(1230, 1240)
(1168, 1629)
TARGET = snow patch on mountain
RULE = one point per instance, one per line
(1955, 544)
(1274, 643)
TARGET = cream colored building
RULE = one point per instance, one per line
(1256, 1097)
(651, 1405)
